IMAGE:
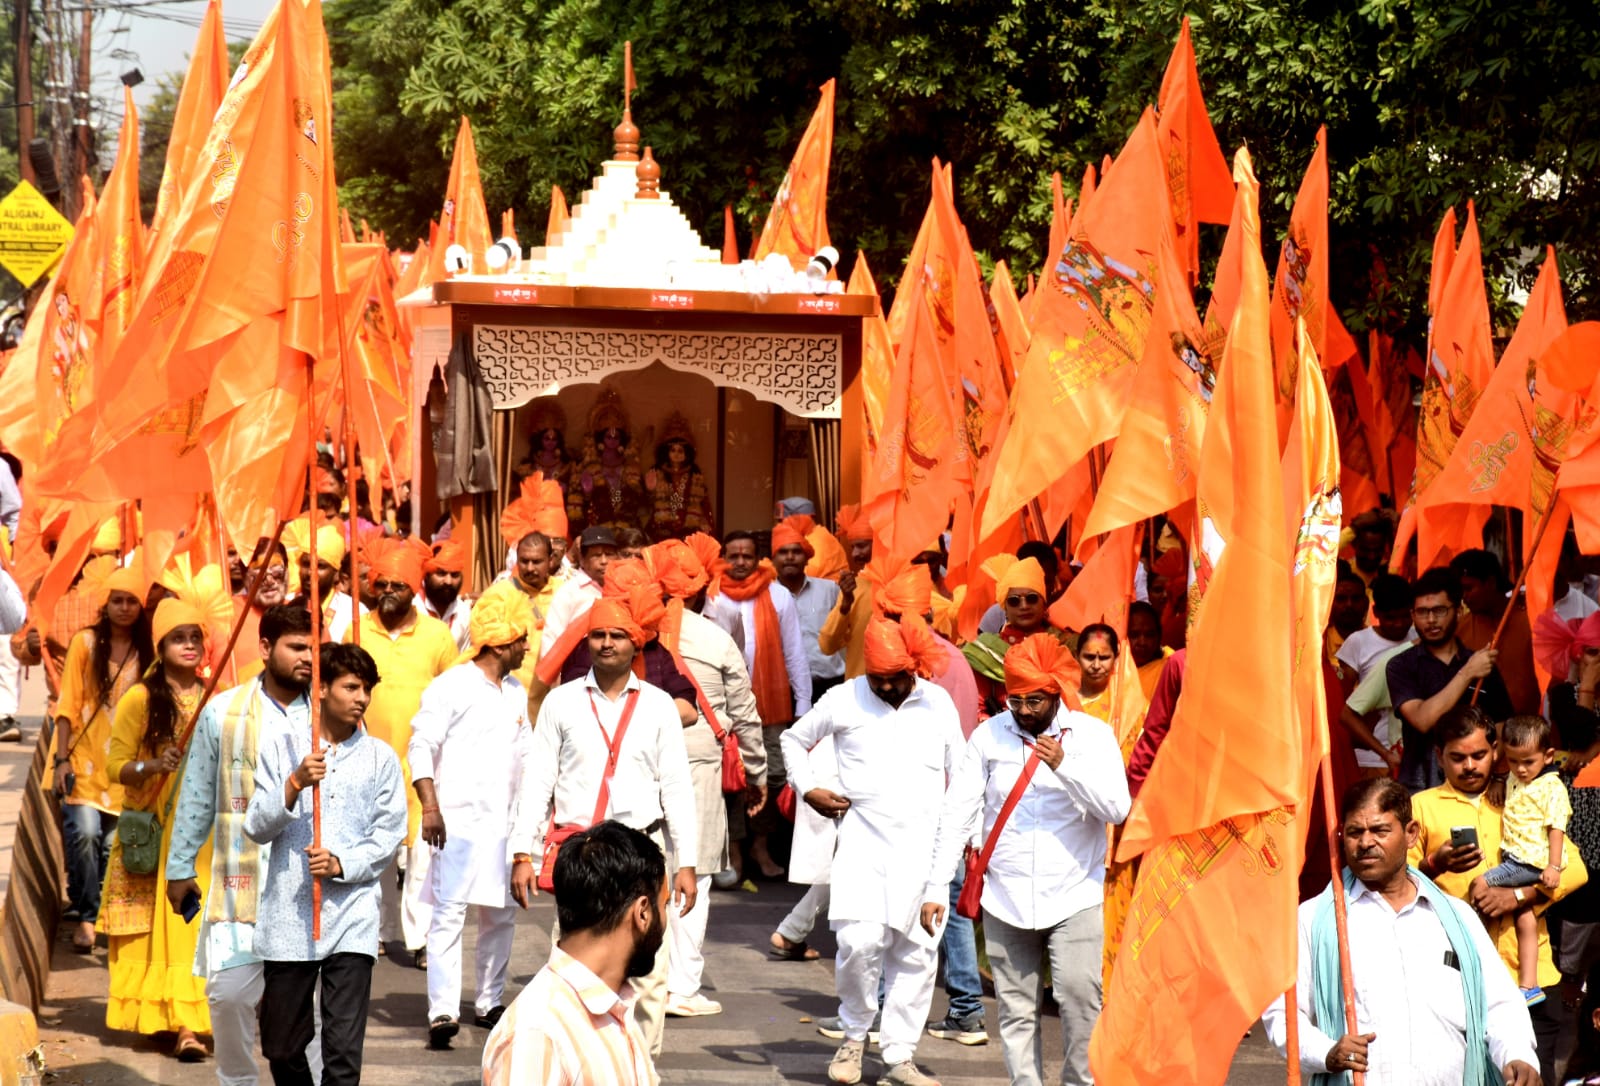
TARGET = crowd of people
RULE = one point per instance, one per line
(630, 726)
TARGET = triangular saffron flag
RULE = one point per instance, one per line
(1012, 338)
(1199, 183)
(199, 97)
(119, 241)
(464, 219)
(557, 221)
(877, 367)
(797, 225)
(1103, 588)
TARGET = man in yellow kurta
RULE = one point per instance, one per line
(1465, 743)
(410, 649)
(846, 625)
(531, 574)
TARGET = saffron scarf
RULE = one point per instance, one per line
(769, 677)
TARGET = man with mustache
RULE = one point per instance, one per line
(1465, 740)
(574, 1022)
(1435, 1008)
(442, 576)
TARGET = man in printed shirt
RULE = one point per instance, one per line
(573, 1025)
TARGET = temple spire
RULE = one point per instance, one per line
(626, 134)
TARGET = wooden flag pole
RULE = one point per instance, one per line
(1291, 1029)
(221, 547)
(1516, 589)
(355, 507)
(314, 596)
(1341, 918)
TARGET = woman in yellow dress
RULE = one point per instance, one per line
(1097, 660)
(103, 663)
(153, 986)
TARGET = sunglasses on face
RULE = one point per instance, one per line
(383, 588)
(1033, 703)
(1022, 599)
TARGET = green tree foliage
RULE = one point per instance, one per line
(1427, 103)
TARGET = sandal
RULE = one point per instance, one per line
(792, 952)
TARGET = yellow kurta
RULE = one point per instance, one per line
(848, 631)
(90, 716)
(541, 607)
(153, 986)
(1436, 811)
(1150, 674)
(408, 660)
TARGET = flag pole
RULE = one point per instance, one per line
(350, 496)
(313, 595)
(1341, 918)
(1291, 1027)
(1516, 589)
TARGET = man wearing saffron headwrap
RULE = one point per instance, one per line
(650, 790)
(1046, 876)
(845, 628)
(442, 577)
(897, 739)
(410, 649)
(468, 755)
(597, 546)
(338, 609)
(761, 617)
(814, 599)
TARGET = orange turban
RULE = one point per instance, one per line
(541, 508)
(396, 560)
(830, 560)
(613, 614)
(854, 523)
(705, 547)
(447, 556)
(791, 532)
(629, 582)
(1027, 575)
(899, 587)
(678, 568)
(1040, 662)
(907, 645)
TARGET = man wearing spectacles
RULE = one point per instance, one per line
(1435, 675)
(1045, 882)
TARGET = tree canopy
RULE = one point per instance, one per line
(1427, 103)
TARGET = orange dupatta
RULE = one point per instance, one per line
(769, 677)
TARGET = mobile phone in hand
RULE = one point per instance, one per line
(1463, 837)
(191, 906)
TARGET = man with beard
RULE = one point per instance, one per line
(1432, 677)
(897, 739)
(611, 746)
(441, 590)
(597, 546)
(846, 626)
(338, 609)
(1046, 876)
(410, 650)
(1435, 1008)
(1465, 741)
(217, 787)
(468, 753)
(272, 590)
(574, 1024)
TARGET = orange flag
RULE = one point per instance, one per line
(558, 215)
(1088, 331)
(1199, 183)
(1210, 935)
(1103, 589)
(464, 220)
(953, 285)
(198, 100)
(877, 368)
(1351, 401)
(797, 225)
(378, 394)
(1570, 364)
(119, 241)
(1460, 364)
(1158, 449)
(1008, 316)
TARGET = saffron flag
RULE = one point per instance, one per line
(557, 221)
(1210, 935)
(199, 98)
(1103, 588)
(877, 367)
(119, 241)
(1570, 364)
(1006, 307)
(1088, 332)
(464, 219)
(797, 225)
(1199, 184)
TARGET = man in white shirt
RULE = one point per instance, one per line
(1046, 875)
(649, 788)
(441, 591)
(597, 546)
(1361, 653)
(897, 740)
(1435, 1006)
(468, 755)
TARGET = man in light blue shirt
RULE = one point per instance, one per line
(216, 791)
(363, 802)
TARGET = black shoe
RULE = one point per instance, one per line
(420, 959)
(441, 1029)
(10, 730)
(490, 1020)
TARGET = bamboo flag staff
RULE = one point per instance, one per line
(1516, 589)
(1341, 917)
(314, 595)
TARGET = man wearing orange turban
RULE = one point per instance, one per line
(411, 649)
(442, 577)
(650, 790)
(1046, 876)
(896, 739)
(814, 600)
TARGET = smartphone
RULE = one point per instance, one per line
(191, 906)
(1463, 837)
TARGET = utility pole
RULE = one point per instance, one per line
(24, 89)
(83, 143)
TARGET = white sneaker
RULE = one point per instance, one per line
(695, 1006)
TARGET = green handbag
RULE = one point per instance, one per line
(139, 833)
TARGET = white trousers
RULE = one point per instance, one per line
(686, 963)
(908, 967)
(495, 930)
(10, 682)
(234, 997)
(802, 919)
(403, 915)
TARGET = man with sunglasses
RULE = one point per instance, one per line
(1435, 675)
(411, 649)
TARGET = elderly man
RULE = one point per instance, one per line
(1465, 741)
(1434, 1009)
(442, 576)
(897, 740)
(1046, 876)
(597, 546)
(611, 746)
(468, 755)
(410, 650)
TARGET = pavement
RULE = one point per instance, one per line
(766, 1033)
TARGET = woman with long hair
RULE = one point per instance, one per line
(153, 986)
(103, 663)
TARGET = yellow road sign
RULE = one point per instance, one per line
(32, 234)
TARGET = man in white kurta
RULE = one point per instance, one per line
(650, 788)
(468, 756)
(897, 739)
